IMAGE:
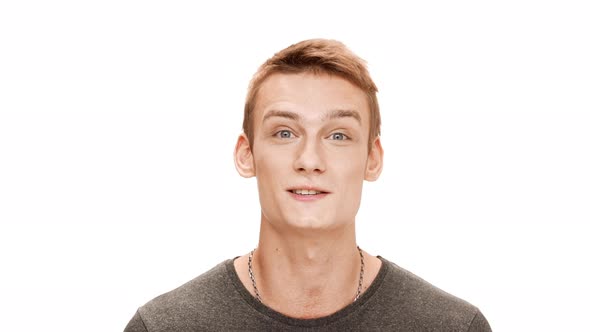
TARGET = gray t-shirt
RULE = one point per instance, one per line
(397, 300)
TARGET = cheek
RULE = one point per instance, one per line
(352, 163)
(351, 174)
(270, 171)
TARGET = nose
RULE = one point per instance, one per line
(310, 158)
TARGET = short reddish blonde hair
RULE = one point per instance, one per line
(318, 56)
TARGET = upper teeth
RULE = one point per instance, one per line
(306, 192)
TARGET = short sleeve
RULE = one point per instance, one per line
(479, 324)
(136, 324)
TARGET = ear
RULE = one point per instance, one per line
(375, 161)
(243, 158)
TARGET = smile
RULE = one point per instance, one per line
(307, 195)
(306, 192)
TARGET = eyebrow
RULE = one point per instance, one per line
(345, 114)
(336, 114)
(281, 114)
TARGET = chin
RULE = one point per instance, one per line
(313, 224)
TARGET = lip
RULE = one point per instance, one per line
(309, 187)
(308, 198)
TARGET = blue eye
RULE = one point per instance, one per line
(339, 136)
(284, 134)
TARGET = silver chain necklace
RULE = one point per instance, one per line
(358, 291)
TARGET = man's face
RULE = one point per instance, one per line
(310, 150)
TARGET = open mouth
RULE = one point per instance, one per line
(306, 192)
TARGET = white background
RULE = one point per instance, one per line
(118, 121)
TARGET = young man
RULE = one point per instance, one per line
(311, 137)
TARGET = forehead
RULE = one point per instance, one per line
(311, 95)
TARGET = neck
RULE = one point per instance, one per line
(307, 274)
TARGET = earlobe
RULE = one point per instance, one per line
(375, 161)
(243, 158)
